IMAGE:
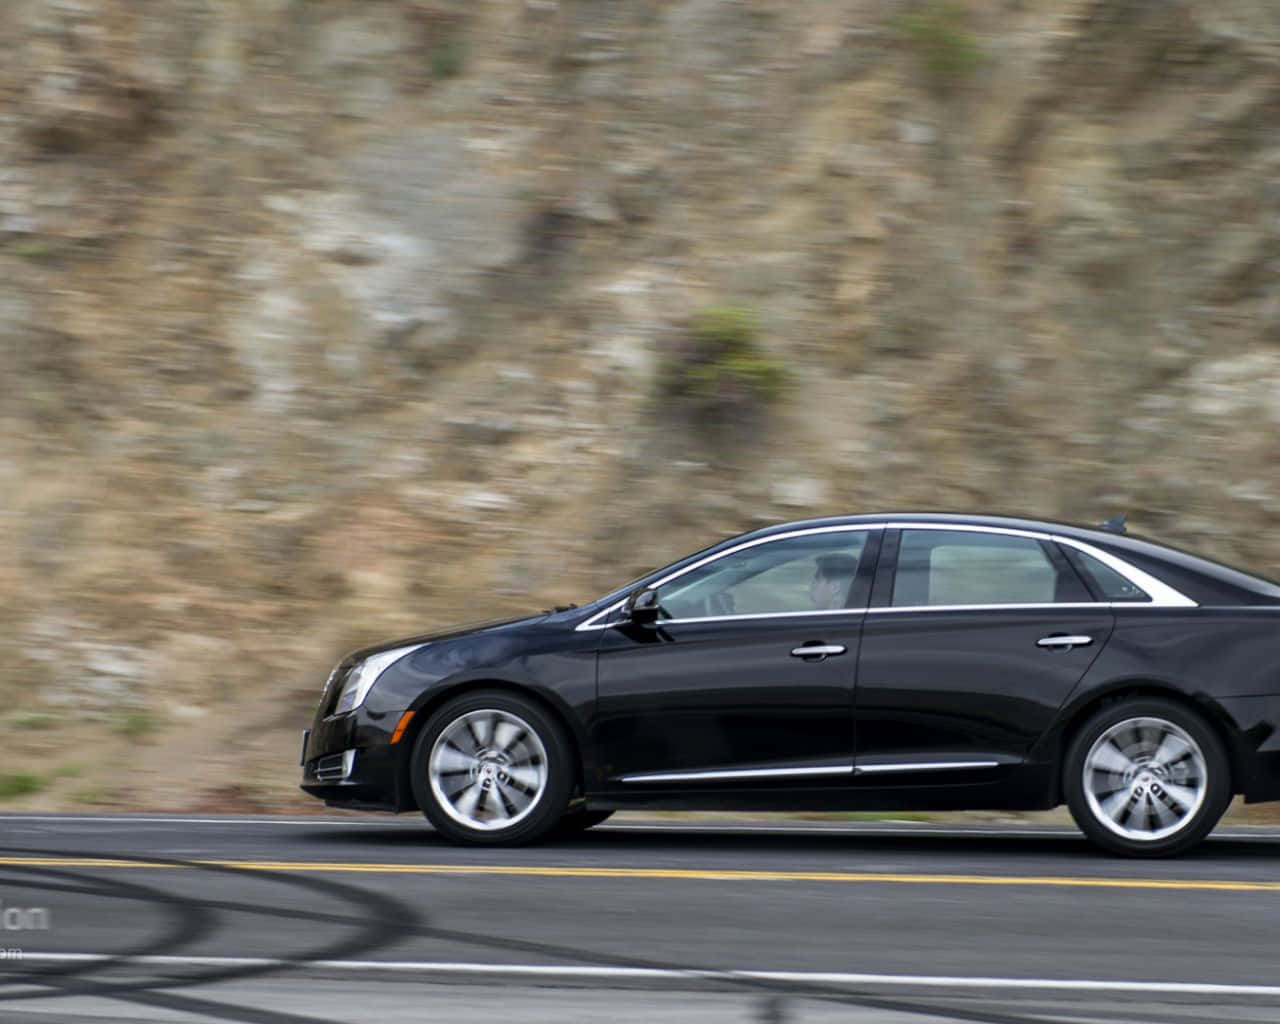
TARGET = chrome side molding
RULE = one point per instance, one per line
(715, 775)
(923, 766)
(814, 771)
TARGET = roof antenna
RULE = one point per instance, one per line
(1116, 524)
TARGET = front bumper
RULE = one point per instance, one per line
(348, 761)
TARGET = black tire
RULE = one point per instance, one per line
(1131, 802)
(573, 822)
(537, 758)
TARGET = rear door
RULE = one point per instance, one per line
(975, 638)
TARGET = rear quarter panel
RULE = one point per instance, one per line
(1215, 652)
(1224, 661)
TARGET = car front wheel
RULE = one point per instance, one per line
(492, 768)
(1146, 778)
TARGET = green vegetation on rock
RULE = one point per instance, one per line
(29, 721)
(21, 784)
(939, 32)
(447, 60)
(718, 373)
(137, 724)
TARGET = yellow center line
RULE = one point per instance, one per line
(682, 874)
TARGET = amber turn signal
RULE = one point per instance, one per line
(401, 726)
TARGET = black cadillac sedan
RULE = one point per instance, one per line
(926, 662)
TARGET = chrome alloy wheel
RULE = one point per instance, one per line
(487, 769)
(1145, 779)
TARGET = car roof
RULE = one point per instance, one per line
(1205, 581)
(1221, 578)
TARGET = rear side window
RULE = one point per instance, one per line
(1106, 581)
(946, 567)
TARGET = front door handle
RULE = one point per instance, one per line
(818, 650)
(1064, 642)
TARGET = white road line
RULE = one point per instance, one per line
(581, 971)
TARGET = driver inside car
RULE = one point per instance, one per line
(832, 577)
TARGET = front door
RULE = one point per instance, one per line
(747, 679)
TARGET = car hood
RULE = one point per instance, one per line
(450, 633)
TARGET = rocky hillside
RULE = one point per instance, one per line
(324, 320)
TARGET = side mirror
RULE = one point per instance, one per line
(642, 607)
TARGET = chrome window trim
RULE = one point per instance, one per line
(1011, 531)
(1031, 605)
(594, 623)
(1162, 595)
(764, 615)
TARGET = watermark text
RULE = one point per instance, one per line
(24, 919)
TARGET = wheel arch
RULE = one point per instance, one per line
(435, 699)
(1200, 704)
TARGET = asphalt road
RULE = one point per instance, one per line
(286, 921)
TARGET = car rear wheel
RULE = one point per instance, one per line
(492, 768)
(1147, 778)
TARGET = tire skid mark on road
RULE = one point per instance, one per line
(381, 921)
(376, 920)
(664, 874)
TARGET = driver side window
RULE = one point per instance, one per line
(812, 572)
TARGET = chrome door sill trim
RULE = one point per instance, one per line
(923, 766)
(739, 773)
(720, 774)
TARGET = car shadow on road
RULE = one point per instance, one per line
(957, 846)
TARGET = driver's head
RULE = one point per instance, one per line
(832, 577)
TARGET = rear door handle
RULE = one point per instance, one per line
(1059, 640)
(818, 650)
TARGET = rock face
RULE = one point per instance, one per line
(323, 321)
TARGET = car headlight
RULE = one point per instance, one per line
(360, 679)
